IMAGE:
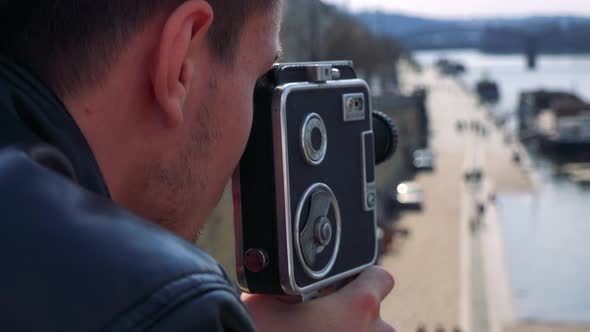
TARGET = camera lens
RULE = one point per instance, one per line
(314, 139)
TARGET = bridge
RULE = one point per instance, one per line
(528, 42)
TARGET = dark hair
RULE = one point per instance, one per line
(70, 44)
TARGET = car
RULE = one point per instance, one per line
(409, 195)
(516, 157)
(423, 160)
(474, 175)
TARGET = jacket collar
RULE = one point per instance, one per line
(30, 113)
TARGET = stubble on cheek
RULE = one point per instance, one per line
(181, 186)
(188, 183)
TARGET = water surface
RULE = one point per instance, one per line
(547, 233)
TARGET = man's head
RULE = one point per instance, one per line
(162, 89)
(70, 44)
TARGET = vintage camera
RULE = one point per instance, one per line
(304, 192)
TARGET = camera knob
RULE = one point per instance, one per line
(323, 232)
(256, 260)
(386, 137)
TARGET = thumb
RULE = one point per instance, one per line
(375, 281)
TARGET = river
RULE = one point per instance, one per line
(546, 233)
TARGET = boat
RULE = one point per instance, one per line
(579, 172)
(450, 67)
(566, 124)
(531, 103)
(558, 120)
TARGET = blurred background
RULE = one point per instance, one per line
(483, 213)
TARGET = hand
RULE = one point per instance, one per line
(355, 308)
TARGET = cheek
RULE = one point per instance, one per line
(246, 111)
(244, 125)
(239, 120)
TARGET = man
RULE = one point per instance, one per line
(142, 106)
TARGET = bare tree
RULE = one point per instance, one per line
(315, 31)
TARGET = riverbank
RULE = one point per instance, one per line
(532, 327)
(451, 270)
(430, 263)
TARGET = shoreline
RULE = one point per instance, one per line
(498, 286)
(501, 310)
(450, 277)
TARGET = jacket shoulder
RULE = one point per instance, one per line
(77, 262)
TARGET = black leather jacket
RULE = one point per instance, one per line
(71, 260)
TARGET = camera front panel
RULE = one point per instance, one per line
(328, 187)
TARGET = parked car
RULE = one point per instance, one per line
(423, 160)
(409, 195)
(516, 157)
(474, 175)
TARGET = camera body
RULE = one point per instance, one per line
(304, 191)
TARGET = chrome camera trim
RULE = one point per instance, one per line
(312, 156)
(369, 188)
(349, 113)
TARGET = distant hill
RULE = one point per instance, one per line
(313, 30)
(554, 33)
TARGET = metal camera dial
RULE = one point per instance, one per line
(314, 139)
(321, 234)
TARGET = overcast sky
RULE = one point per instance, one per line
(470, 8)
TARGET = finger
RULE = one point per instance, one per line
(260, 300)
(376, 280)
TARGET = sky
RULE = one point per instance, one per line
(472, 8)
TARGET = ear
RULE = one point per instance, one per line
(185, 30)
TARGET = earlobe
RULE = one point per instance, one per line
(186, 27)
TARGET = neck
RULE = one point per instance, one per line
(114, 120)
